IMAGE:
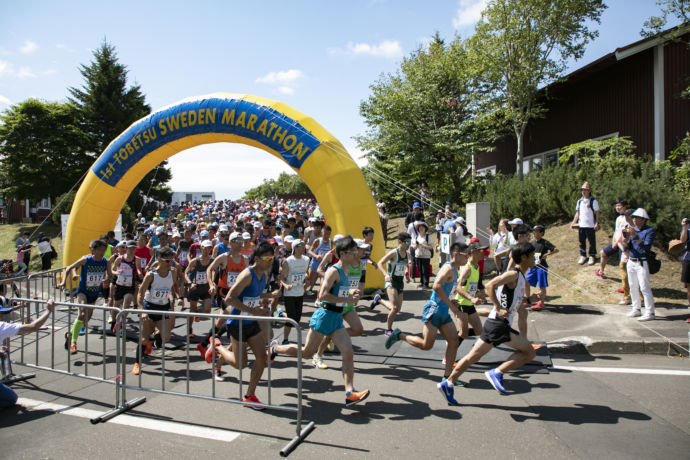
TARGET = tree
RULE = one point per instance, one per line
(285, 184)
(108, 106)
(420, 127)
(677, 9)
(521, 46)
(41, 147)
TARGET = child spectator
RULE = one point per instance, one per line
(538, 276)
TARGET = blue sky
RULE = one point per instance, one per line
(318, 57)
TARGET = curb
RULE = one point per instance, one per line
(587, 345)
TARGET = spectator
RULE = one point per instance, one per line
(410, 217)
(685, 273)
(45, 249)
(23, 246)
(639, 241)
(422, 246)
(587, 221)
(8, 398)
(500, 240)
(625, 253)
(461, 233)
(611, 249)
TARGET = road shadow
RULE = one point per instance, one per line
(579, 414)
(583, 358)
(571, 310)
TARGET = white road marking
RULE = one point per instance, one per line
(136, 422)
(624, 370)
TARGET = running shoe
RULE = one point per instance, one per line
(209, 351)
(254, 399)
(582, 260)
(537, 306)
(443, 361)
(157, 341)
(272, 352)
(447, 391)
(354, 397)
(394, 337)
(318, 362)
(375, 302)
(73, 348)
(632, 313)
(135, 369)
(82, 331)
(620, 290)
(625, 302)
(285, 342)
(496, 380)
(600, 274)
(197, 319)
(330, 347)
(458, 382)
(116, 325)
(148, 347)
(190, 335)
(202, 349)
(387, 332)
(646, 317)
(590, 261)
(217, 376)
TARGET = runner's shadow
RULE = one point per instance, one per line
(580, 414)
(402, 373)
(16, 415)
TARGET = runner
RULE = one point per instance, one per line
(468, 295)
(396, 262)
(247, 298)
(505, 292)
(143, 253)
(319, 248)
(94, 270)
(435, 316)
(334, 294)
(109, 284)
(293, 280)
(126, 279)
(155, 293)
(368, 235)
(196, 277)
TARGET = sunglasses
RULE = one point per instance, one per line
(237, 241)
(166, 260)
(353, 251)
(266, 258)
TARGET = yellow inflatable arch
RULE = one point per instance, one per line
(324, 164)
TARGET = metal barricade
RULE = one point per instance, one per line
(16, 286)
(43, 285)
(122, 385)
(30, 346)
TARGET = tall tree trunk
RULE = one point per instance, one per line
(520, 134)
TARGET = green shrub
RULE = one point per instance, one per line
(63, 205)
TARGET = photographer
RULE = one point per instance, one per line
(685, 260)
(639, 240)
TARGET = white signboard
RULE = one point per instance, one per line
(446, 242)
(65, 217)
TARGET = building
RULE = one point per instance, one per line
(186, 197)
(633, 91)
(17, 211)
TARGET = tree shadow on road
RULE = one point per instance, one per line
(578, 414)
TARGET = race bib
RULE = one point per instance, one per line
(94, 279)
(296, 278)
(537, 258)
(251, 302)
(472, 289)
(354, 283)
(125, 279)
(183, 257)
(200, 278)
(160, 296)
(142, 263)
(343, 291)
(400, 270)
(232, 277)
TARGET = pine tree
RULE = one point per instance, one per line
(108, 106)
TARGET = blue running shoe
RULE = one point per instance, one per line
(375, 302)
(394, 337)
(82, 331)
(447, 391)
(458, 382)
(496, 380)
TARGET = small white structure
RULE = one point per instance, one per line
(186, 197)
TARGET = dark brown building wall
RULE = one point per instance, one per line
(676, 79)
(612, 96)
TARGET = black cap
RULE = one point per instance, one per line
(476, 247)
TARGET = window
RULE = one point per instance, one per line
(488, 171)
(43, 204)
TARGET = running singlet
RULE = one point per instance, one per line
(198, 275)
(127, 274)
(229, 274)
(448, 288)
(398, 269)
(222, 248)
(184, 251)
(509, 298)
(144, 255)
(470, 286)
(158, 290)
(341, 289)
(92, 275)
(322, 249)
(251, 297)
(296, 275)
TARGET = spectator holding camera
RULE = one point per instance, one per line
(639, 240)
(685, 272)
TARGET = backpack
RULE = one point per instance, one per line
(653, 263)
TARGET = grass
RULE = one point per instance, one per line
(570, 283)
(10, 232)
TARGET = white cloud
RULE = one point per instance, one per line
(6, 68)
(4, 100)
(286, 90)
(48, 72)
(25, 72)
(282, 77)
(29, 47)
(468, 13)
(389, 49)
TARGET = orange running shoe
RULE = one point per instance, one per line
(354, 397)
(254, 399)
(209, 351)
(202, 349)
(135, 369)
(73, 348)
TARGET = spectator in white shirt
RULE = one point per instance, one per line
(587, 221)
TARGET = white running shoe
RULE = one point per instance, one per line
(646, 317)
(581, 260)
(318, 362)
(633, 313)
(590, 261)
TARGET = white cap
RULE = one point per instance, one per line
(361, 244)
(296, 242)
(516, 221)
(338, 237)
(459, 220)
(289, 239)
(246, 236)
(223, 228)
(640, 212)
(206, 244)
(235, 235)
(257, 224)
